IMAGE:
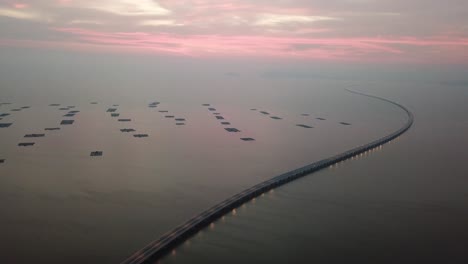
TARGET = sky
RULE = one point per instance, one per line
(377, 31)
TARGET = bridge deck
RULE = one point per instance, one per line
(170, 240)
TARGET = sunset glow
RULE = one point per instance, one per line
(376, 31)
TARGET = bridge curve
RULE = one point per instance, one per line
(160, 247)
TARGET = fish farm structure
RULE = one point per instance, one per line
(96, 154)
(304, 126)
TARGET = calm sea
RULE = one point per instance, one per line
(59, 205)
(406, 203)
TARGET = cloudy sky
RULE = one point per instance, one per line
(386, 31)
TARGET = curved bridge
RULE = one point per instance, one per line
(158, 248)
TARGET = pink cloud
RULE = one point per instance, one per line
(20, 5)
(350, 49)
(230, 28)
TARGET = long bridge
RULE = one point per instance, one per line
(160, 247)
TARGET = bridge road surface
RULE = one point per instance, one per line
(160, 247)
